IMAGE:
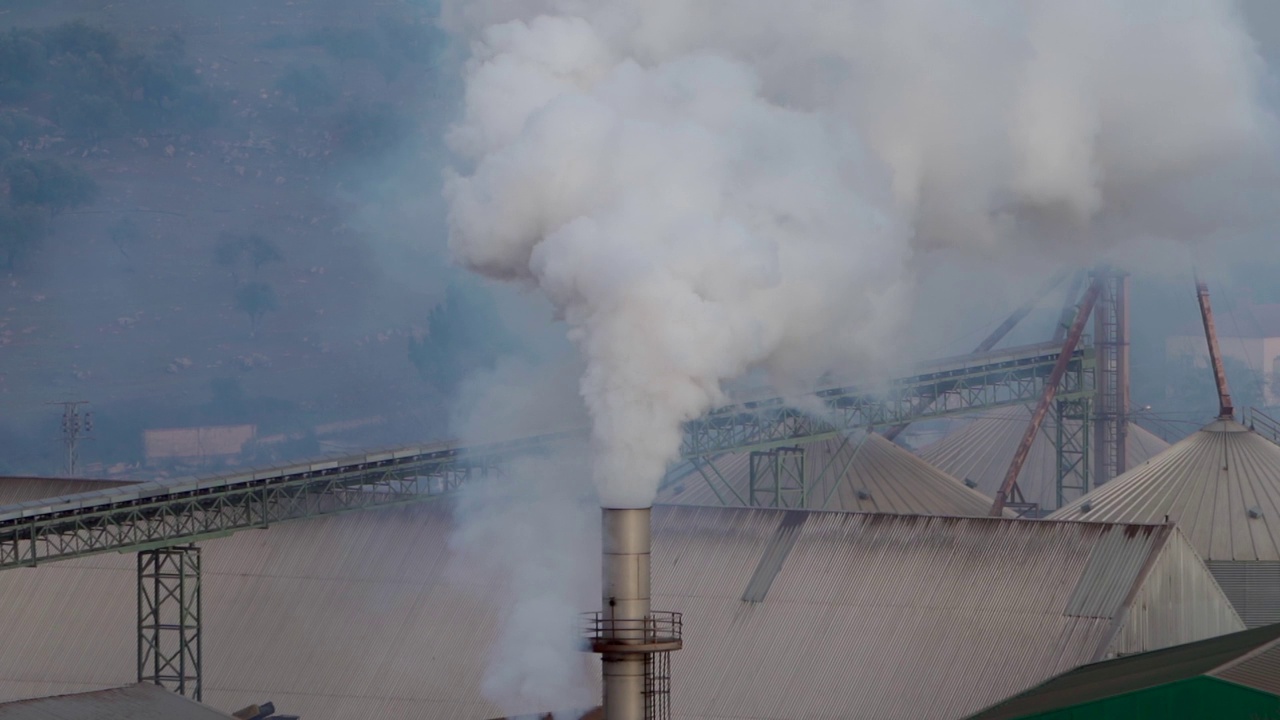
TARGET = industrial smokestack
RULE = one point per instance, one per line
(632, 639)
(625, 606)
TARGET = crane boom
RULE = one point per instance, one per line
(1225, 409)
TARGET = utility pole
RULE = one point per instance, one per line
(75, 425)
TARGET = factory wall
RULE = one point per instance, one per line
(1178, 602)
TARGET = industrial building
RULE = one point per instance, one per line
(858, 471)
(873, 615)
(140, 701)
(1221, 485)
(804, 565)
(980, 449)
(1233, 677)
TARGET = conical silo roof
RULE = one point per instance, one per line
(1221, 485)
(864, 472)
(982, 448)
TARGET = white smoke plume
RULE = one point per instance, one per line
(704, 188)
(528, 541)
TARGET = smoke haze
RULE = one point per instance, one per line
(533, 535)
(703, 189)
(697, 189)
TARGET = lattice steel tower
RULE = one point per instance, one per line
(1111, 408)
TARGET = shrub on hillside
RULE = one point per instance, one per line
(98, 86)
(48, 184)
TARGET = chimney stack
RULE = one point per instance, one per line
(633, 641)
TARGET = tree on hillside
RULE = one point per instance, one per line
(255, 299)
(48, 184)
(464, 334)
(232, 251)
(14, 128)
(21, 230)
(228, 252)
(99, 86)
(261, 251)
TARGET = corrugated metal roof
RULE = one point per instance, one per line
(595, 714)
(1253, 586)
(981, 449)
(339, 617)
(868, 615)
(863, 472)
(133, 702)
(20, 489)
(883, 616)
(1259, 669)
(1221, 486)
(1238, 656)
(775, 554)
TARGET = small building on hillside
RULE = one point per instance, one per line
(196, 445)
(1232, 677)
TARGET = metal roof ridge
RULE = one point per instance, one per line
(1248, 655)
(917, 516)
(1001, 709)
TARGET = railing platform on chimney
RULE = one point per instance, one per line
(657, 632)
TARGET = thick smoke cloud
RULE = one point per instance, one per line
(706, 188)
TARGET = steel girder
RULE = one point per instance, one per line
(774, 422)
(151, 515)
(205, 510)
(1111, 408)
(777, 478)
(1071, 444)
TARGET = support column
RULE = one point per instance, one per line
(1071, 443)
(1111, 338)
(169, 619)
(777, 478)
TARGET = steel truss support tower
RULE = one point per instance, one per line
(169, 619)
(1072, 418)
(777, 478)
(1111, 410)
